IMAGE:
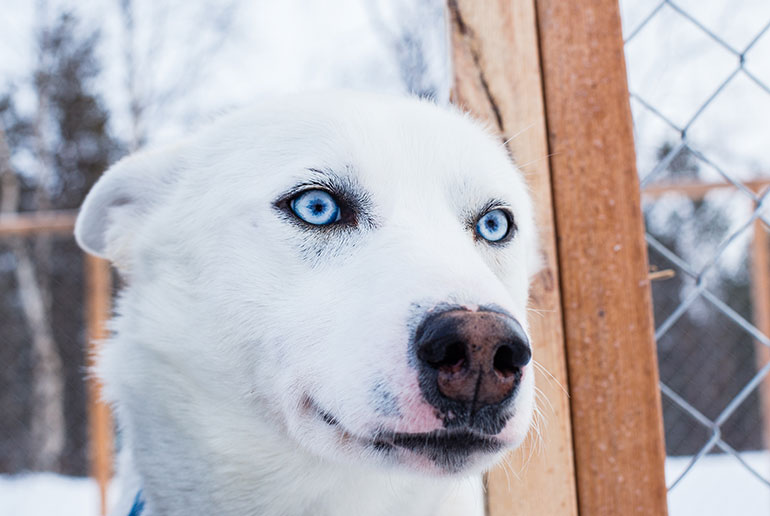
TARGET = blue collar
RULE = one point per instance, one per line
(138, 506)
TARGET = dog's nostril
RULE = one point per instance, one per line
(453, 360)
(510, 358)
(503, 362)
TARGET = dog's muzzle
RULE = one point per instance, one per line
(470, 364)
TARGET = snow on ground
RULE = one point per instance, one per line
(48, 494)
(718, 485)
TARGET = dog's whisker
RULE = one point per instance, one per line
(540, 310)
(519, 133)
(507, 469)
(536, 160)
(550, 376)
(541, 422)
(533, 447)
(513, 470)
(540, 395)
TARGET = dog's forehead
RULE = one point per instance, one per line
(388, 144)
(425, 149)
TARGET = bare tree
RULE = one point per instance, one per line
(66, 137)
(47, 428)
(149, 96)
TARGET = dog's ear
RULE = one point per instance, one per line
(121, 200)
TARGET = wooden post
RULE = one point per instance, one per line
(760, 291)
(697, 190)
(37, 223)
(98, 287)
(613, 376)
(497, 78)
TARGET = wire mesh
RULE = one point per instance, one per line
(699, 83)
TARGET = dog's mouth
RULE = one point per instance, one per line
(448, 449)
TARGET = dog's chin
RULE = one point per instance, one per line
(445, 452)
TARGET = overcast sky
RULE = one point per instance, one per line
(295, 45)
(270, 47)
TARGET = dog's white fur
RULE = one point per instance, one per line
(234, 316)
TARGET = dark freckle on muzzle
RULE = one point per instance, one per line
(470, 365)
(385, 402)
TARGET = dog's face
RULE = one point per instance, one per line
(354, 268)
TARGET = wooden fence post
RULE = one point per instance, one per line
(613, 376)
(98, 287)
(497, 77)
(760, 292)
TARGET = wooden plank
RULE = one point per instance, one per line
(98, 304)
(698, 190)
(497, 78)
(615, 400)
(760, 291)
(35, 223)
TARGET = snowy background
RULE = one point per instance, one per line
(194, 60)
(162, 68)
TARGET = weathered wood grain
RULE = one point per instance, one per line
(613, 377)
(497, 78)
(101, 440)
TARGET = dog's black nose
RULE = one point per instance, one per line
(470, 364)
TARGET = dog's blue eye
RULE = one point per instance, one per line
(316, 207)
(493, 226)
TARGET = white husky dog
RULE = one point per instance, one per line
(324, 311)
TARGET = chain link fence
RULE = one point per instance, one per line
(699, 80)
